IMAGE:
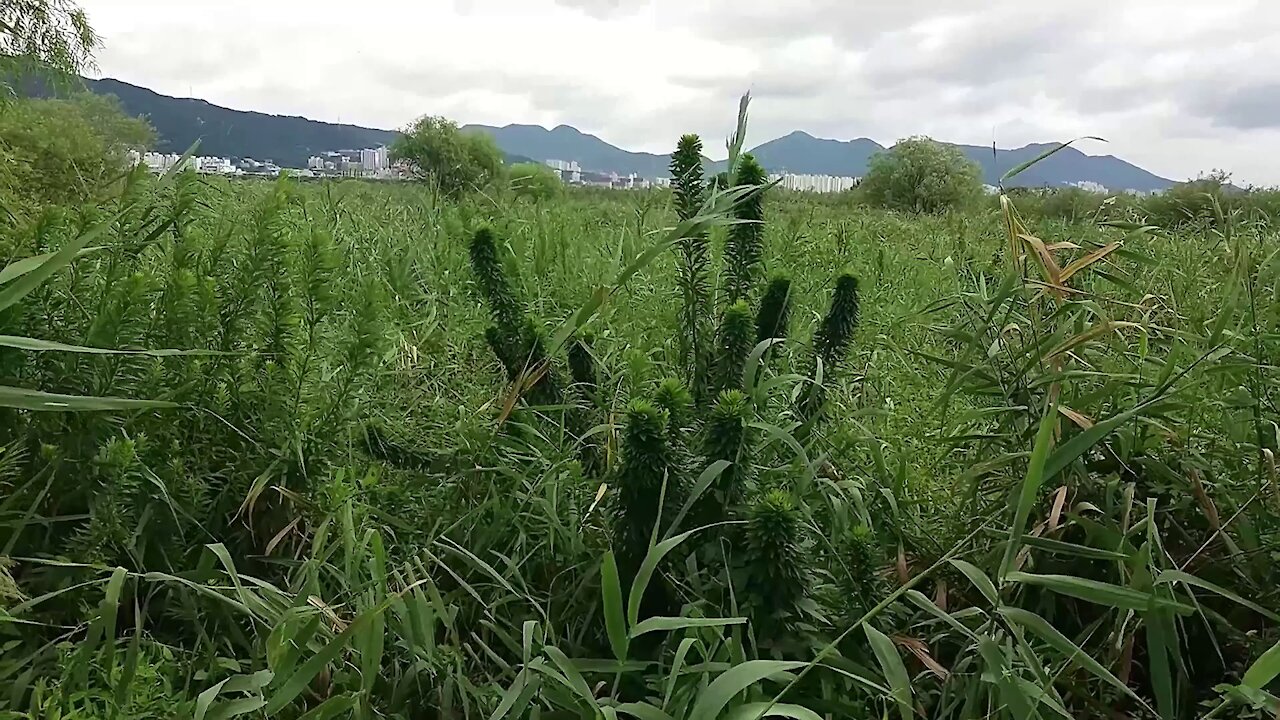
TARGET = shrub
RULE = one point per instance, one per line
(64, 151)
(453, 161)
(923, 176)
(534, 182)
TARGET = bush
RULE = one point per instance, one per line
(440, 153)
(534, 181)
(63, 151)
(921, 175)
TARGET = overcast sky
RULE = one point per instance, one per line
(1175, 86)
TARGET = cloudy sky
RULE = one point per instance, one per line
(1177, 86)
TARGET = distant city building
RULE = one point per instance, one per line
(815, 183)
(215, 166)
(570, 171)
(164, 162)
(1090, 186)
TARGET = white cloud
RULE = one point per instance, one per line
(1176, 86)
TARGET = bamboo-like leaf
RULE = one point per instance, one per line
(752, 711)
(1172, 576)
(667, 624)
(676, 665)
(715, 697)
(571, 676)
(330, 708)
(24, 282)
(508, 704)
(1031, 483)
(979, 580)
(1263, 670)
(1076, 266)
(1160, 644)
(644, 711)
(302, 677)
(1100, 593)
(24, 399)
(894, 671)
(1063, 644)
(647, 567)
(1018, 169)
(18, 268)
(614, 620)
(1065, 548)
(705, 478)
(32, 344)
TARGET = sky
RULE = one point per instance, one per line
(1176, 86)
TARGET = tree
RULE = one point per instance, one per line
(43, 38)
(440, 153)
(921, 175)
(534, 181)
(63, 151)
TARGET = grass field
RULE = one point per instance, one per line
(1041, 484)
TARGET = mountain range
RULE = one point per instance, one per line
(290, 140)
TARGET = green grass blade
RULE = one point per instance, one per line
(667, 624)
(682, 651)
(24, 282)
(24, 399)
(34, 345)
(643, 711)
(1100, 593)
(1041, 627)
(979, 580)
(751, 711)
(611, 597)
(18, 268)
(1264, 669)
(715, 697)
(1031, 483)
(1172, 576)
(1018, 169)
(894, 671)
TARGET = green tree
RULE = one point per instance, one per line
(43, 37)
(440, 153)
(921, 175)
(64, 151)
(534, 181)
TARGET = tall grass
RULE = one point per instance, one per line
(1038, 479)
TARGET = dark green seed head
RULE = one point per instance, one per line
(775, 310)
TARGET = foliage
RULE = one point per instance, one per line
(43, 38)
(689, 191)
(63, 152)
(1043, 483)
(921, 175)
(744, 244)
(534, 182)
(453, 161)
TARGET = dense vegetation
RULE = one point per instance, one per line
(367, 450)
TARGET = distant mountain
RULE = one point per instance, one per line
(567, 143)
(286, 140)
(289, 141)
(1067, 166)
(802, 153)
(805, 154)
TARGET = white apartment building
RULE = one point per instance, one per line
(215, 166)
(164, 162)
(815, 183)
(570, 170)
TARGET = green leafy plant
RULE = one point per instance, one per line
(921, 175)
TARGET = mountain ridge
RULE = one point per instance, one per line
(290, 140)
